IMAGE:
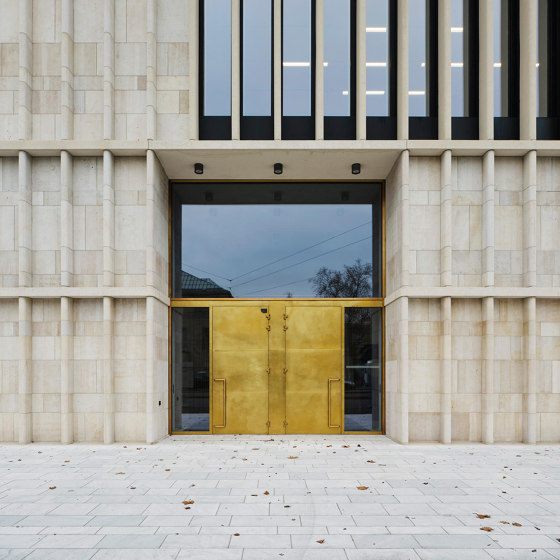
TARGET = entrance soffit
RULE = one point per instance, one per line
(255, 161)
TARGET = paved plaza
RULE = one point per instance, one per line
(281, 497)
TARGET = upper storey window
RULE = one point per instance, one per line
(506, 69)
(298, 66)
(256, 70)
(464, 69)
(423, 80)
(215, 62)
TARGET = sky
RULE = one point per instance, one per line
(228, 243)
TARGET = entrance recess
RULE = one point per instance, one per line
(279, 366)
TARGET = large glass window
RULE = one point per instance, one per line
(363, 370)
(337, 59)
(296, 58)
(217, 57)
(190, 369)
(279, 240)
(377, 58)
(257, 58)
(418, 59)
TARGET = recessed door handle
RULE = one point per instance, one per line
(331, 425)
(224, 403)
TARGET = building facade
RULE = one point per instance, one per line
(118, 117)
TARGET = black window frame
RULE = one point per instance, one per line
(507, 128)
(426, 128)
(209, 127)
(299, 127)
(385, 128)
(548, 128)
(257, 127)
(467, 127)
(344, 128)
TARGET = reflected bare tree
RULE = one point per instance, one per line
(354, 281)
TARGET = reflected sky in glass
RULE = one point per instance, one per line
(273, 250)
(377, 58)
(458, 39)
(417, 59)
(296, 64)
(337, 58)
(217, 57)
(257, 53)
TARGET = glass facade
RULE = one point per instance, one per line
(337, 59)
(217, 57)
(418, 59)
(377, 58)
(190, 369)
(257, 58)
(296, 58)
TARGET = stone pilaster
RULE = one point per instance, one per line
(361, 77)
(67, 71)
(151, 353)
(109, 70)
(488, 399)
(528, 70)
(25, 68)
(24, 221)
(277, 6)
(108, 374)
(319, 69)
(66, 225)
(486, 69)
(151, 73)
(193, 68)
(151, 171)
(403, 369)
(235, 69)
(108, 220)
(446, 371)
(25, 385)
(530, 355)
(530, 219)
(446, 216)
(405, 252)
(66, 370)
(488, 219)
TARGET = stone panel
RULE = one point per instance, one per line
(9, 198)
(9, 330)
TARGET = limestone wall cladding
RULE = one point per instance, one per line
(9, 70)
(130, 220)
(45, 356)
(9, 198)
(87, 215)
(467, 221)
(509, 369)
(173, 81)
(548, 356)
(392, 385)
(88, 69)
(130, 69)
(508, 222)
(466, 348)
(424, 215)
(394, 228)
(548, 222)
(46, 69)
(424, 353)
(9, 330)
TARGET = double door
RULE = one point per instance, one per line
(277, 367)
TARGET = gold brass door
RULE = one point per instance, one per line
(313, 369)
(240, 369)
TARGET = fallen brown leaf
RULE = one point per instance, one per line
(370, 461)
(120, 473)
(235, 534)
(362, 487)
(516, 524)
(293, 457)
(188, 502)
(482, 516)
(167, 470)
(52, 487)
(321, 541)
(487, 529)
(266, 492)
(504, 522)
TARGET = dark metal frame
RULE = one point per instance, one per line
(426, 128)
(257, 127)
(548, 128)
(385, 128)
(300, 128)
(344, 128)
(209, 127)
(466, 127)
(507, 128)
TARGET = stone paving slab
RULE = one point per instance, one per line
(281, 497)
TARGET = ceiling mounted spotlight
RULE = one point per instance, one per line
(356, 168)
(198, 168)
(278, 168)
